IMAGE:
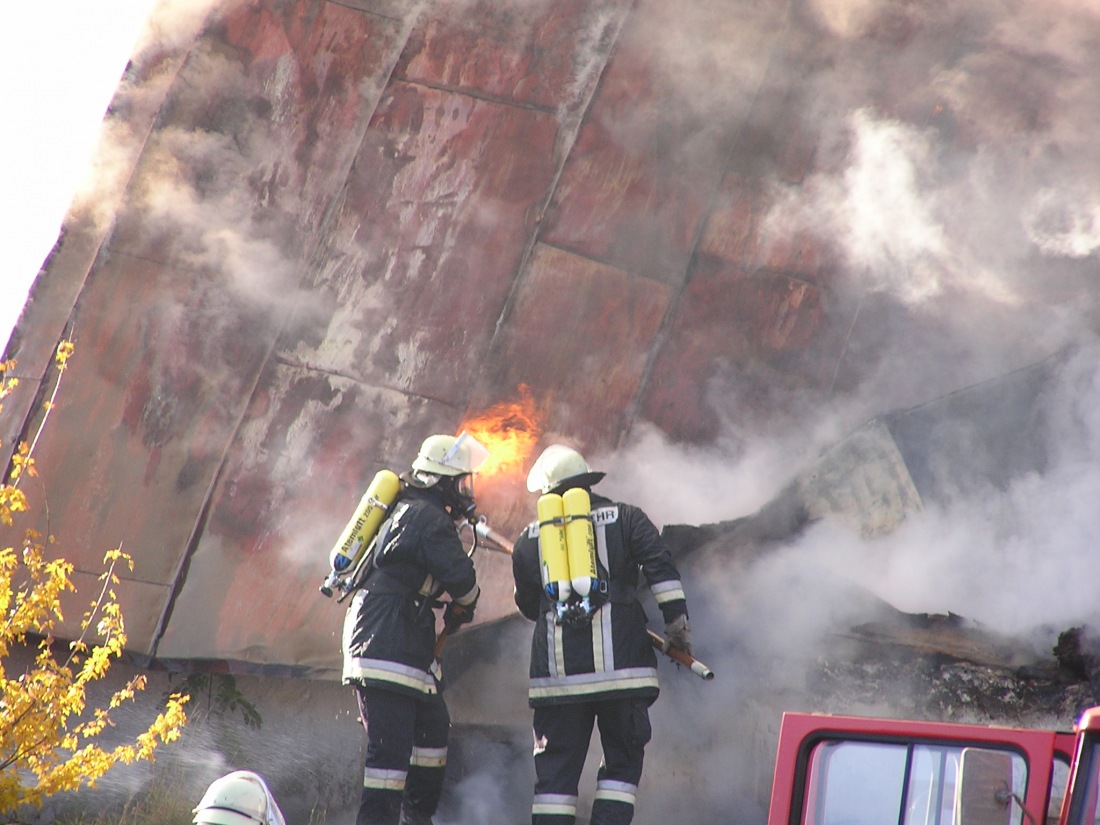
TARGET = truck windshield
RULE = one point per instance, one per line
(853, 782)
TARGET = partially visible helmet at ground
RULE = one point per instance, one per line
(560, 466)
(450, 455)
(238, 798)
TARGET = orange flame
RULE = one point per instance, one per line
(510, 430)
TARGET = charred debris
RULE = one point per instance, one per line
(872, 655)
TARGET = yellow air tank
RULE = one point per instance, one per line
(552, 549)
(580, 540)
(372, 509)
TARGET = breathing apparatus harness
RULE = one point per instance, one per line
(574, 579)
(354, 559)
(351, 560)
(578, 611)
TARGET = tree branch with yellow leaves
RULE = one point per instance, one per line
(47, 731)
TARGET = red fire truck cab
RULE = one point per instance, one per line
(845, 770)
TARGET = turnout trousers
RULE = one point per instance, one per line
(406, 756)
(562, 735)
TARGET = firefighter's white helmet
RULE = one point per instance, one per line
(557, 465)
(238, 798)
(450, 455)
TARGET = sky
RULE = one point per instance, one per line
(60, 61)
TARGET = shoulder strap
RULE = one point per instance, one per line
(368, 566)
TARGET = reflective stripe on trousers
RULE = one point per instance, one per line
(562, 735)
(406, 754)
(552, 805)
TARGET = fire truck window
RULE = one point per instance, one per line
(878, 783)
(1058, 782)
(856, 783)
(932, 780)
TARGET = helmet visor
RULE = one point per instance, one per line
(466, 455)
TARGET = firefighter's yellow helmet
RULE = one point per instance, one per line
(560, 466)
(450, 455)
(238, 798)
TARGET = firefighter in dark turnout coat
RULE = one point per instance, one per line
(389, 633)
(601, 669)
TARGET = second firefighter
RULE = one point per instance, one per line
(592, 663)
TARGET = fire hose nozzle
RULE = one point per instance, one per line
(680, 657)
(486, 532)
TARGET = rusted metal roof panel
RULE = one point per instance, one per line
(324, 250)
(631, 194)
(434, 224)
(757, 330)
(259, 131)
(181, 312)
(579, 338)
(669, 110)
(332, 244)
(419, 273)
(316, 70)
(533, 54)
(308, 446)
(145, 426)
(735, 233)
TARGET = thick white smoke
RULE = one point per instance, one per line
(879, 210)
(978, 217)
(1010, 558)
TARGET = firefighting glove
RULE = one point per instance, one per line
(679, 634)
(455, 615)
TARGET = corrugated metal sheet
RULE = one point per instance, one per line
(350, 224)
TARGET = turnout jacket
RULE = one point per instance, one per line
(611, 657)
(389, 630)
